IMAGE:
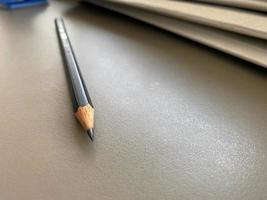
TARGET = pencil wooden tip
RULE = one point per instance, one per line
(85, 115)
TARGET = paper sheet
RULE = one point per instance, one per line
(257, 5)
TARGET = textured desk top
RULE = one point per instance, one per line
(174, 119)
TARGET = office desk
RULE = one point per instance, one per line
(174, 119)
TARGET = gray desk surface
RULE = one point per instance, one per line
(174, 119)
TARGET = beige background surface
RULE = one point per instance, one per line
(174, 119)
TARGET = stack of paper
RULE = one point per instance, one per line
(239, 32)
(258, 5)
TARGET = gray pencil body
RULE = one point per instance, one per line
(82, 103)
(76, 82)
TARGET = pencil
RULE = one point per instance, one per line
(81, 101)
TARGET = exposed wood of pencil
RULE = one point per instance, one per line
(85, 115)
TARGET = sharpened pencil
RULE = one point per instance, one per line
(82, 104)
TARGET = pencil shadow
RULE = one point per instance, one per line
(84, 142)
